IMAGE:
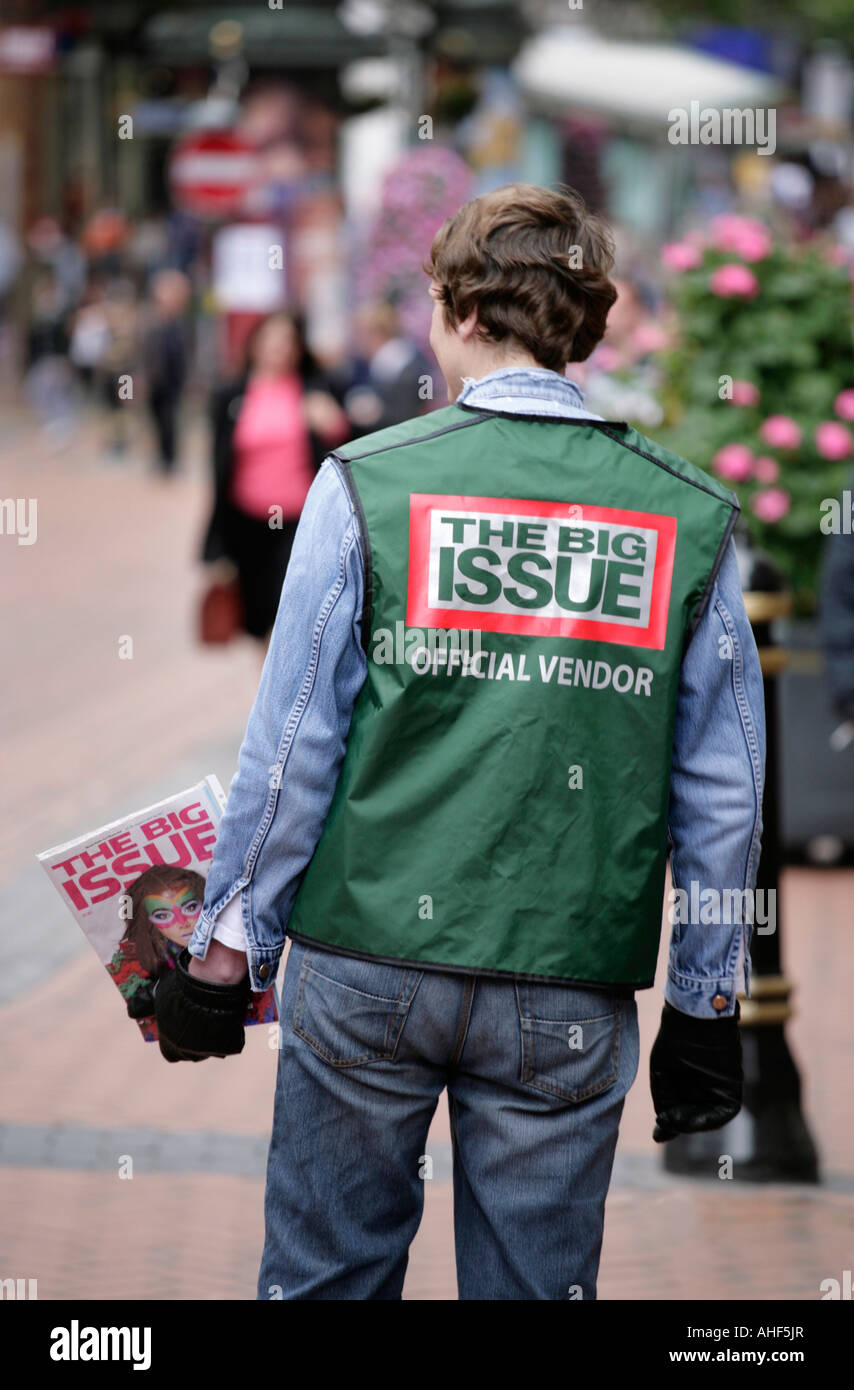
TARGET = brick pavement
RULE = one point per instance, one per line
(87, 739)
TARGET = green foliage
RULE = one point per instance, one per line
(793, 341)
(804, 19)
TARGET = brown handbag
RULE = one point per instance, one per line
(220, 617)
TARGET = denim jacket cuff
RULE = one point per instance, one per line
(694, 996)
(263, 960)
(263, 965)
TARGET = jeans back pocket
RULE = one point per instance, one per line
(570, 1039)
(352, 1011)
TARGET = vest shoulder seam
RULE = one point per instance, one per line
(403, 443)
(352, 491)
(729, 499)
(540, 416)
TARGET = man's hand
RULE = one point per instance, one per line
(695, 1073)
(199, 1015)
(221, 966)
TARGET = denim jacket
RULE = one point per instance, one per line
(315, 667)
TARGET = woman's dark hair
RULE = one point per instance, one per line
(307, 365)
(534, 263)
(148, 943)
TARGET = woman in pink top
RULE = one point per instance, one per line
(272, 430)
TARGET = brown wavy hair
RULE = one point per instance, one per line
(509, 254)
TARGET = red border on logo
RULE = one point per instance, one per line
(420, 614)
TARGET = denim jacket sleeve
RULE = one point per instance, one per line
(715, 813)
(295, 737)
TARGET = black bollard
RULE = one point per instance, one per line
(768, 1140)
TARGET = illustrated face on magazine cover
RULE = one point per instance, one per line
(165, 903)
(173, 911)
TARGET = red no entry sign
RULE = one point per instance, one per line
(210, 172)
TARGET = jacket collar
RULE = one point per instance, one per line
(526, 390)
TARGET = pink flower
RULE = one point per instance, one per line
(771, 504)
(680, 255)
(833, 440)
(766, 469)
(744, 393)
(744, 236)
(726, 230)
(733, 461)
(781, 432)
(607, 358)
(650, 337)
(734, 281)
(754, 246)
(844, 405)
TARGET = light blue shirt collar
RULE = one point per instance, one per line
(526, 390)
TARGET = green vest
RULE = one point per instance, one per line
(530, 587)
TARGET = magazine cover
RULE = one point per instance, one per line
(136, 888)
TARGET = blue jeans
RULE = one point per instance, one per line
(537, 1075)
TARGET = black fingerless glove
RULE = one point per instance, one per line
(695, 1073)
(197, 1019)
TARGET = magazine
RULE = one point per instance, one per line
(136, 888)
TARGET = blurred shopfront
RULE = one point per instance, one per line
(95, 99)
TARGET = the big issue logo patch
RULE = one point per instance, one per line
(551, 569)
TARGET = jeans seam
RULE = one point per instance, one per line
(398, 1012)
(463, 1025)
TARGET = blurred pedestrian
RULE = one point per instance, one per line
(621, 378)
(11, 257)
(90, 335)
(49, 379)
(166, 358)
(50, 245)
(391, 379)
(118, 364)
(272, 429)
